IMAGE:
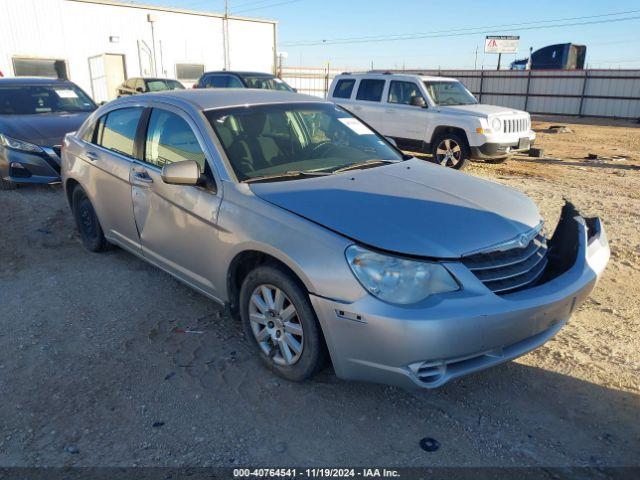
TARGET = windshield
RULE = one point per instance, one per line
(160, 85)
(267, 83)
(271, 140)
(449, 93)
(36, 99)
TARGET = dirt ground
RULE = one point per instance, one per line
(92, 371)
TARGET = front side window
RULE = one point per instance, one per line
(447, 93)
(171, 139)
(404, 93)
(42, 99)
(117, 130)
(270, 140)
(267, 83)
(370, 90)
(344, 88)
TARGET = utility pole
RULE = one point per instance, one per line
(475, 63)
(225, 35)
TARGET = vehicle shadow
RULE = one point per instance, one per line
(537, 416)
(578, 162)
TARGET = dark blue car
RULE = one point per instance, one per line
(35, 115)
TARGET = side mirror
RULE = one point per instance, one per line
(186, 172)
(418, 101)
(391, 141)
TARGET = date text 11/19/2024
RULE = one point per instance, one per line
(315, 473)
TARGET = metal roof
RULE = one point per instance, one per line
(174, 10)
(398, 76)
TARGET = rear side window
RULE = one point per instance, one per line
(370, 90)
(344, 88)
(171, 139)
(117, 130)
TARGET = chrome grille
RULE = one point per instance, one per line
(510, 270)
(516, 125)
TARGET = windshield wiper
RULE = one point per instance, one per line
(367, 164)
(287, 174)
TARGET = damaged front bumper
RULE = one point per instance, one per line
(450, 335)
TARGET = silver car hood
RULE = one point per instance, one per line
(412, 208)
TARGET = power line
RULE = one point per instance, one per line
(266, 6)
(464, 31)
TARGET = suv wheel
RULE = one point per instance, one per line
(279, 320)
(450, 150)
(87, 222)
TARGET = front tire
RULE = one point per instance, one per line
(451, 150)
(87, 222)
(279, 320)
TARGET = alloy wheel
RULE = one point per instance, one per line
(448, 153)
(275, 324)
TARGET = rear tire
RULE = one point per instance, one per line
(87, 222)
(451, 150)
(7, 184)
(280, 322)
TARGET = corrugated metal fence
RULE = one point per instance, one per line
(586, 93)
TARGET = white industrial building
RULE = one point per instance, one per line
(100, 43)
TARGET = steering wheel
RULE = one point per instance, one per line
(320, 149)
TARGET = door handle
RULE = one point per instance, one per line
(92, 156)
(142, 177)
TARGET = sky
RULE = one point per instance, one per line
(451, 30)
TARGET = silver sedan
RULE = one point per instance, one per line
(325, 240)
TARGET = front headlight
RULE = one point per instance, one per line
(496, 124)
(19, 144)
(398, 280)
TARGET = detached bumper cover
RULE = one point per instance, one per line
(447, 336)
(497, 150)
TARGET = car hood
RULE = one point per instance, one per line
(45, 129)
(412, 208)
(479, 110)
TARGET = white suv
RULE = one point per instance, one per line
(434, 115)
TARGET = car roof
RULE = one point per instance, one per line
(211, 98)
(34, 81)
(241, 74)
(397, 76)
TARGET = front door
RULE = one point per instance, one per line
(177, 224)
(407, 121)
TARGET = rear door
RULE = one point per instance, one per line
(177, 224)
(368, 103)
(405, 122)
(110, 150)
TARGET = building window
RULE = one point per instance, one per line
(189, 71)
(39, 67)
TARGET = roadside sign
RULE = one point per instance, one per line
(501, 44)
